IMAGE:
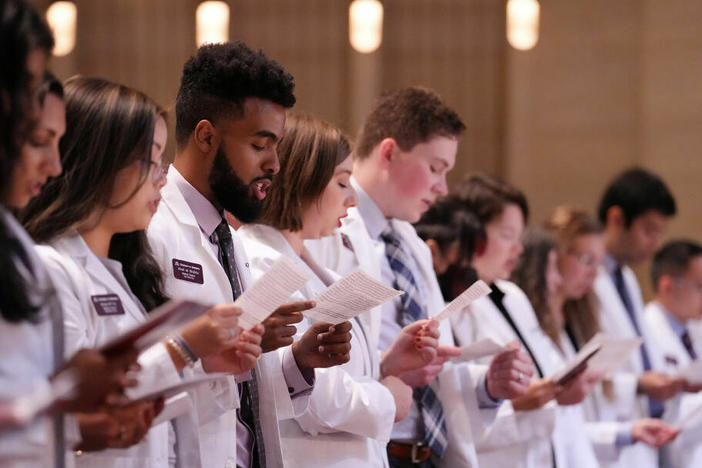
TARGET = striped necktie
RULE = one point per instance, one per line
(411, 311)
(249, 411)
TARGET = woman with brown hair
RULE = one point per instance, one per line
(93, 218)
(557, 271)
(353, 406)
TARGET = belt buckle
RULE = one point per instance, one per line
(415, 447)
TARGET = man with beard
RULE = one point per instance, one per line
(230, 114)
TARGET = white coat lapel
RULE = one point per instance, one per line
(75, 247)
(174, 201)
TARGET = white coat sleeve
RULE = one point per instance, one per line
(341, 402)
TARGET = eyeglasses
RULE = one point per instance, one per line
(584, 258)
(158, 171)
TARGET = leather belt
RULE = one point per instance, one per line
(415, 452)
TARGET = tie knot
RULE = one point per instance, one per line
(222, 233)
(389, 236)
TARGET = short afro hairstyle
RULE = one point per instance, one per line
(219, 78)
(637, 191)
(410, 116)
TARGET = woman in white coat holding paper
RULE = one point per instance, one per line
(530, 430)
(353, 407)
(94, 216)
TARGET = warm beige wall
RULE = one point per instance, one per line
(610, 84)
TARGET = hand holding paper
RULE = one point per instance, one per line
(271, 290)
(473, 293)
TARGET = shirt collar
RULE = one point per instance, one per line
(676, 325)
(373, 217)
(206, 215)
(609, 263)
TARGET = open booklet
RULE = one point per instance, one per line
(578, 364)
(479, 349)
(473, 293)
(162, 321)
(602, 354)
(271, 290)
(350, 296)
(184, 385)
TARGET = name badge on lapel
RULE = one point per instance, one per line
(188, 271)
(107, 304)
(671, 360)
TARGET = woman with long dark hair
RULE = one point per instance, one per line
(30, 320)
(93, 217)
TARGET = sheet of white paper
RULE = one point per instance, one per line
(270, 291)
(183, 386)
(350, 296)
(586, 354)
(613, 353)
(162, 321)
(473, 293)
(175, 406)
(479, 349)
(692, 373)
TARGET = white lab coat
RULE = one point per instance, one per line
(175, 235)
(524, 438)
(686, 450)
(29, 354)
(625, 405)
(78, 274)
(455, 385)
(350, 415)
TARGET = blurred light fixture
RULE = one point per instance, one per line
(212, 23)
(523, 23)
(365, 25)
(61, 17)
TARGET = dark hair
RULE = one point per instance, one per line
(446, 222)
(309, 152)
(636, 191)
(22, 30)
(486, 196)
(530, 275)
(673, 259)
(409, 116)
(15, 305)
(219, 78)
(108, 127)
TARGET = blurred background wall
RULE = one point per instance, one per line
(609, 84)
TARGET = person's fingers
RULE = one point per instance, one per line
(287, 331)
(250, 337)
(425, 342)
(258, 329)
(334, 338)
(294, 307)
(249, 348)
(447, 351)
(340, 348)
(341, 328)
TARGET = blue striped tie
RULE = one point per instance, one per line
(412, 310)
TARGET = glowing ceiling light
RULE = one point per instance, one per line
(523, 23)
(365, 25)
(212, 22)
(61, 17)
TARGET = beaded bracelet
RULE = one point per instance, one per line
(186, 347)
(180, 352)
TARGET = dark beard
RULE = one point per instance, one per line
(231, 192)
